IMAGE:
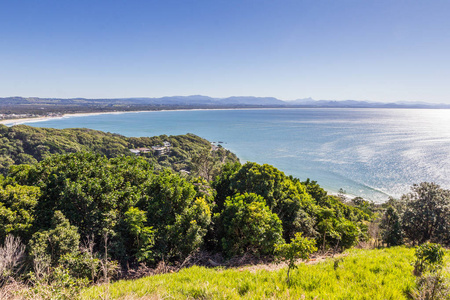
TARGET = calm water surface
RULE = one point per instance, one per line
(373, 153)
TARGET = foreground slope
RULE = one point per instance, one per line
(357, 274)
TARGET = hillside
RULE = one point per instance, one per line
(82, 209)
(23, 144)
(356, 274)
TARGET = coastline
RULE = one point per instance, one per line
(12, 122)
(152, 123)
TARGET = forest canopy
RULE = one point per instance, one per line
(88, 184)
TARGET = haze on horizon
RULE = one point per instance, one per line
(387, 50)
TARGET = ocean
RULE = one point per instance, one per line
(372, 153)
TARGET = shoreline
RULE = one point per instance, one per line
(12, 122)
(65, 117)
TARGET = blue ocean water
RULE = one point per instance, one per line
(373, 153)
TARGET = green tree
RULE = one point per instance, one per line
(325, 225)
(178, 215)
(144, 236)
(299, 248)
(249, 226)
(391, 227)
(429, 257)
(431, 283)
(50, 245)
(17, 205)
(427, 214)
(284, 196)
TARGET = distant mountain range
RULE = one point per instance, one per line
(274, 102)
(198, 101)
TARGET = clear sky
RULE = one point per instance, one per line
(379, 50)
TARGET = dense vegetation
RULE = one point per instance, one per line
(417, 217)
(27, 145)
(86, 208)
(150, 216)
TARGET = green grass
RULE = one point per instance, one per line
(360, 274)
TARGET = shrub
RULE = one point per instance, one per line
(177, 213)
(82, 265)
(431, 283)
(143, 236)
(391, 227)
(249, 226)
(429, 257)
(299, 248)
(432, 286)
(56, 285)
(11, 256)
(17, 205)
(48, 246)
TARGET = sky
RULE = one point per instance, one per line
(377, 50)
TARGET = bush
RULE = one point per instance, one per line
(82, 265)
(48, 246)
(433, 286)
(143, 236)
(177, 213)
(431, 283)
(429, 257)
(249, 226)
(56, 285)
(391, 228)
(11, 257)
(17, 205)
(299, 248)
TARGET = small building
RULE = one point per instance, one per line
(135, 151)
(160, 150)
(167, 144)
(144, 150)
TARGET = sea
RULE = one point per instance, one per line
(371, 153)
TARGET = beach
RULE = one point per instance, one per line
(12, 122)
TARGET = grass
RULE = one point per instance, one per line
(359, 274)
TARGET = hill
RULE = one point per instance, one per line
(27, 145)
(356, 274)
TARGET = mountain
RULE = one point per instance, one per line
(309, 102)
(205, 100)
(33, 106)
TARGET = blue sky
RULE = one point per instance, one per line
(379, 50)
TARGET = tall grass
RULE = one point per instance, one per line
(358, 274)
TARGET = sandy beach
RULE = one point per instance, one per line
(11, 122)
